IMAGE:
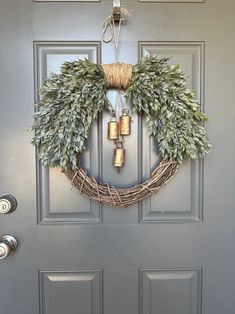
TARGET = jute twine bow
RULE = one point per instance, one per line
(117, 75)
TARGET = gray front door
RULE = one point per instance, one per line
(171, 254)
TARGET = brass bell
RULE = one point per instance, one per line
(119, 156)
(125, 123)
(113, 128)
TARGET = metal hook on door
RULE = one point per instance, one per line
(116, 10)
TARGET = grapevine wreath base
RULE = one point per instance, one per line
(73, 99)
(107, 194)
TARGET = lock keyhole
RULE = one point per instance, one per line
(7, 204)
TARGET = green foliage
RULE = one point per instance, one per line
(72, 99)
(158, 90)
(70, 103)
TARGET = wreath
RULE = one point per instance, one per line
(73, 99)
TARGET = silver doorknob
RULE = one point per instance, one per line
(8, 245)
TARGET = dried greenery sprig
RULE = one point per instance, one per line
(158, 90)
(70, 102)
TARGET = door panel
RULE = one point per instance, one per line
(172, 253)
(187, 186)
(182, 287)
(53, 188)
(59, 290)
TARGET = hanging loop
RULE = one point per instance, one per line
(119, 144)
(109, 24)
(126, 111)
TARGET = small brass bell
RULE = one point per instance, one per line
(119, 156)
(125, 123)
(113, 128)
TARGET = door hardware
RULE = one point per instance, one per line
(7, 204)
(8, 245)
(116, 10)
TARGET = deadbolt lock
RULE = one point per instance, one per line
(7, 204)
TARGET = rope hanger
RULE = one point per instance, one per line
(110, 24)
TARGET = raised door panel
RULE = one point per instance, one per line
(57, 201)
(73, 292)
(170, 291)
(181, 200)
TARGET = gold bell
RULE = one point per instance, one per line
(125, 123)
(119, 156)
(113, 128)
